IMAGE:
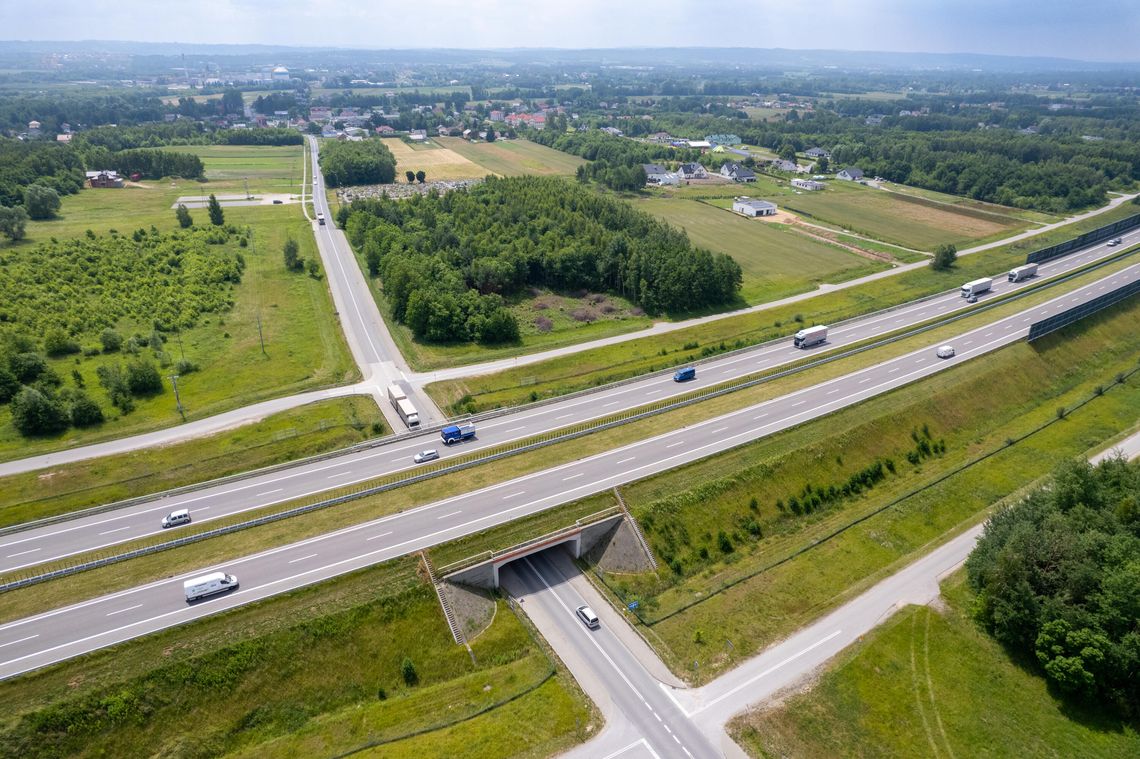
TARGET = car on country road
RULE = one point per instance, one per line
(946, 351)
(588, 617)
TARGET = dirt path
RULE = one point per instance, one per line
(825, 235)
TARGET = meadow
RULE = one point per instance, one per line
(930, 682)
(510, 158)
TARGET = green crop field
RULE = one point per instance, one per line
(898, 219)
(316, 428)
(510, 158)
(777, 261)
(929, 682)
(315, 672)
(304, 347)
(269, 168)
(729, 530)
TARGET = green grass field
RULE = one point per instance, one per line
(312, 429)
(777, 261)
(898, 219)
(929, 682)
(745, 593)
(317, 671)
(596, 366)
(510, 158)
(304, 346)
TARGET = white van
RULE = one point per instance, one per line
(588, 617)
(175, 518)
(208, 585)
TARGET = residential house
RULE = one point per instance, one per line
(850, 174)
(442, 131)
(875, 119)
(700, 144)
(753, 207)
(780, 164)
(661, 137)
(737, 173)
(693, 171)
(105, 178)
(724, 139)
(613, 131)
(658, 174)
(807, 184)
(817, 153)
(417, 135)
(495, 115)
(385, 131)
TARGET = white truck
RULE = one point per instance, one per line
(810, 336)
(971, 289)
(399, 400)
(321, 219)
(1023, 272)
(208, 585)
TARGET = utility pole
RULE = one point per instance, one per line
(177, 399)
(260, 336)
(246, 180)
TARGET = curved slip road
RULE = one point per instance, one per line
(36, 641)
(20, 550)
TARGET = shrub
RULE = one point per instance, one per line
(143, 378)
(85, 412)
(59, 343)
(35, 413)
(724, 543)
(408, 671)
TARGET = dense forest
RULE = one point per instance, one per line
(1057, 577)
(182, 132)
(44, 163)
(365, 162)
(447, 260)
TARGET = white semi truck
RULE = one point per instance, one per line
(399, 400)
(1023, 272)
(810, 336)
(971, 289)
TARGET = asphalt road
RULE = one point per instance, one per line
(601, 660)
(42, 639)
(96, 532)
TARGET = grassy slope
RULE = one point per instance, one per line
(974, 409)
(304, 345)
(296, 675)
(599, 365)
(777, 261)
(930, 683)
(312, 429)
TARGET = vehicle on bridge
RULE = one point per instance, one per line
(457, 433)
(806, 338)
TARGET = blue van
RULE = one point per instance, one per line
(686, 374)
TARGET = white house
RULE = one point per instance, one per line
(851, 174)
(737, 173)
(753, 207)
(700, 144)
(817, 153)
(693, 171)
(807, 184)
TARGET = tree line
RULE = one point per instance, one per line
(345, 162)
(1057, 577)
(447, 261)
(615, 161)
(182, 132)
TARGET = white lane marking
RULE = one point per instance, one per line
(512, 495)
(833, 392)
(920, 360)
(302, 558)
(574, 476)
(674, 445)
(614, 403)
(23, 553)
(865, 380)
(564, 416)
(987, 334)
(759, 416)
(643, 743)
(892, 371)
(21, 640)
(718, 429)
(381, 535)
(514, 429)
(631, 458)
(765, 673)
(117, 529)
(799, 403)
(120, 611)
(342, 474)
(270, 492)
(653, 392)
(452, 514)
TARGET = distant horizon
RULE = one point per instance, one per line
(1102, 31)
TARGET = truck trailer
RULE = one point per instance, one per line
(408, 412)
(456, 433)
(1023, 272)
(806, 338)
(208, 585)
(976, 287)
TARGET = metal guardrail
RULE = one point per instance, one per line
(494, 413)
(570, 433)
(1076, 313)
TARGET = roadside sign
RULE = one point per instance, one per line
(633, 605)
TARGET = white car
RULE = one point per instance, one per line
(430, 454)
(588, 617)
(946, 351)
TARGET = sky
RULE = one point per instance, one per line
(1095, 30)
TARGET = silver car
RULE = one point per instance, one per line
(430, 454)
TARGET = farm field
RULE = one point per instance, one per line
(1026, 214)
(435, 161)
(514, 157)
(757, 542)
(893, 218)
(930, 682)
(316, 428)
(776, 260)
(304, 347)
(365, 659)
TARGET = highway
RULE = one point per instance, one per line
(35, 546)
(39, 640)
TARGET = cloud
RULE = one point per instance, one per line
(1094, 29)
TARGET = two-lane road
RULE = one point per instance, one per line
(35, 641)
